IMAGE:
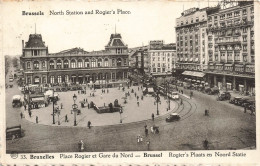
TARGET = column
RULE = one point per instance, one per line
(224, 83)
(123, 75)
(31, 79)
(115, 76)
(111, 76)
(215, 80)
(226, 56)
(233, 55)
(234, 84)
(245, 84)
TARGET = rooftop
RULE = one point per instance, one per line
(35, 40)
(115, 41)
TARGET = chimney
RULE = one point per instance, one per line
(22, 43)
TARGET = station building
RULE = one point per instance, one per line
(74, 65)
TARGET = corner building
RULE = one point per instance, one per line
(74, 65)
(191, 43)
(231, 50)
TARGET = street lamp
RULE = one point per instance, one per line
(169, 101)
(74, 107)
(157, 99)
(53, 110)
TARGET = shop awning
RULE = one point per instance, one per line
(194, 73)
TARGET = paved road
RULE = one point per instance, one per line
(227, 127)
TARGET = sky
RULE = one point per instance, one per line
(153, 20)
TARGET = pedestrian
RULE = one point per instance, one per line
(30, 114)
(138, 103)
(135, 94)
(21, 114)
(146, 132)
(90, 95)
(61, 105)
(66, 118)
(81, 146)
(148, 144)
(181, 102)
(138, 88)
(25, 107)
(36, 119)
(88, 105)
(138, 138)
(78, 92)
(145, 126)
(107, 91)
(89, 124)
(137, 98)
(245, 109)
(205, 144)
(152, 116)
(86, 100)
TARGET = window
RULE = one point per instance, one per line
(29, 80)
(252, 10)
(52, 79)
(106, 62)
(99, 62)
(244, 30)
(229, 57)
(237, 57)
(154, 69)
(229, 15)
(197, 19)
(73, 63)
(209, 19)
(192, 20)
(244, 38)
(51, 64)
(66, 78)
(125, 62)
(43, 79)
(163, 69)
(237, 13)
(158, 65)
(87, 63)
(93, 63)
(28, 65)
(163, 58)
(158, 58)
(158, 70)
(119, 62)
(119, 51)
(222, 17)
(66, 64)
(43, 64)
(80, 63)
(59, 79)
(58, 64)
(244, 12)
(36, 65)
(245, 47)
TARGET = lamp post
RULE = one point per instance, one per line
(157, 99)
(169, 101)
(74, 107)
(53, 110)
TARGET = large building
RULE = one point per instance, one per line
(191, 32)
(216, 45)
(162, 57)
(74, 65)
(231, 52)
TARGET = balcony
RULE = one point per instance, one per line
(228, 42)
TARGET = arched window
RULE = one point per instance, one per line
(59, 64)
(80, 63)
(106, 62)
(99, 62)
(28, 65)
(51, 64)
(66, 64)
(43, 64)
(73, 63)
(125, 62)
(59, 79)
(119, 62)
(87, 63)
(36, 65)
(93, 62)
(52, 80)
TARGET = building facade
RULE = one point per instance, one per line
(161, 57)
(74, 65)
(191, 32)
(231, 52)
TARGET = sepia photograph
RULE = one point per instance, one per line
(129, 77)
